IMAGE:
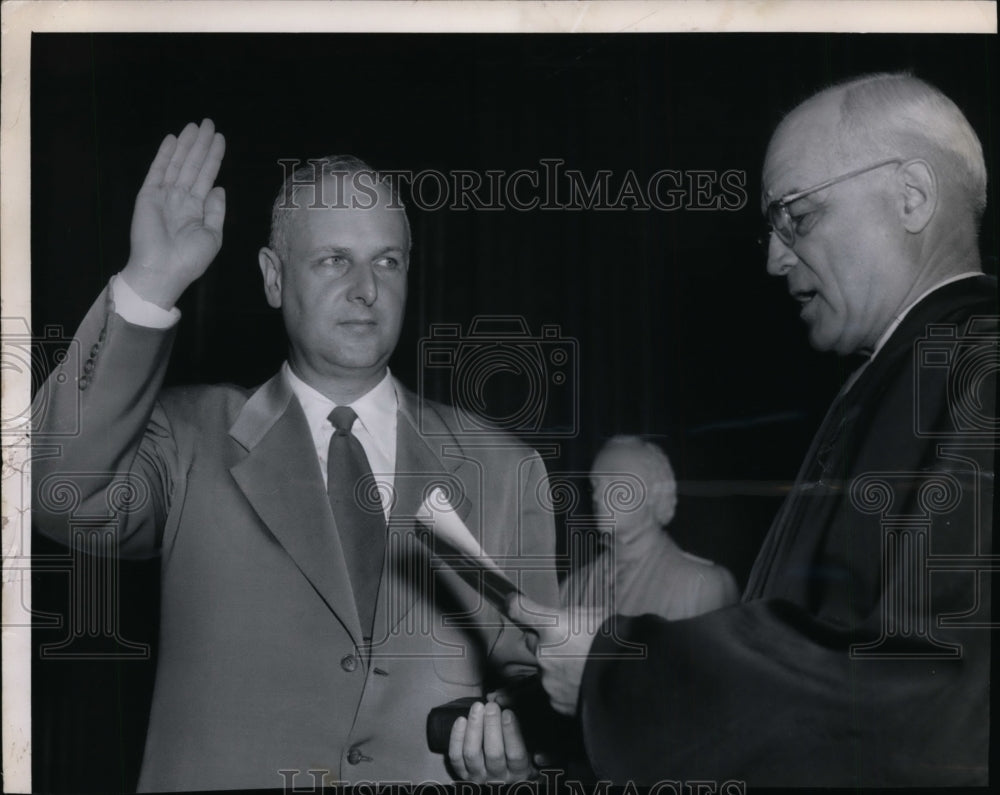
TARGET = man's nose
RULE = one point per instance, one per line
(780, 257)
(364, 287)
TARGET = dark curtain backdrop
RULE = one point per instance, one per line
(671, 324)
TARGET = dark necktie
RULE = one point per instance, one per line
(358, 513)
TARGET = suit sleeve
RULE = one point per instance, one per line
(103, 450)
(868, 661)
(764, 694)
(531, 563)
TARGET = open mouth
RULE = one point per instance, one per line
(804, 296)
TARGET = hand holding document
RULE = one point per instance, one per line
(561, 650)
(454, 543)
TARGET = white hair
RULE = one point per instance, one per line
(310, 175)
(889, 114)
(659, 480)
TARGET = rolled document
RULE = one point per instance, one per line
(455, 545)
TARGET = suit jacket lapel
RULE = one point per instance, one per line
(421, 463)
(281, 479)
(426, 455)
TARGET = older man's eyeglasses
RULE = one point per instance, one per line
(785, 225)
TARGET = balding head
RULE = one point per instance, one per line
(887, 115)
(325, 182)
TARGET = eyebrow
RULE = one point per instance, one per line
(327, 250)
(348, 250)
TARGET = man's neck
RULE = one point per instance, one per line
(342, 390)
(912, 300)
(934, 275)
(950, 251)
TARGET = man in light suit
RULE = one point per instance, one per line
(277, 654)
(860, 653)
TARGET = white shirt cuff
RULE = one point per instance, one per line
(137, 310)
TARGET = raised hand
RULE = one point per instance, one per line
(177, 221)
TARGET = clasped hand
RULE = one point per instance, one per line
(488, 746)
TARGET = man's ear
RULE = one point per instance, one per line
(663, 498)
(270, 268)
(919, 195)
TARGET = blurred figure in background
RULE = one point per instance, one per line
(642, 569)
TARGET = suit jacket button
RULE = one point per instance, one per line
(349, 663)
(94, 350)
(88, 365)
(83, 383)
(354, 756)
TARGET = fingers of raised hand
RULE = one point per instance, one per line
(190, 162)
(178, 157)
(158, 168)
(209, 168)
(215, 209)
(196, 164)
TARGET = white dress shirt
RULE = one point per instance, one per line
(375, 426)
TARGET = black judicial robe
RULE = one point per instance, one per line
(858, 655)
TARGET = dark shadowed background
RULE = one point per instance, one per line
(669, 323)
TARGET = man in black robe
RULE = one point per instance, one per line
(859, 654)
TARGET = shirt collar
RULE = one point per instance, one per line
(376, 409)
(852, 379)
(899, 318)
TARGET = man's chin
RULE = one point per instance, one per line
(818, 340)
(344, 362)
(353, 353)
(357, 365)
(837, 345)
